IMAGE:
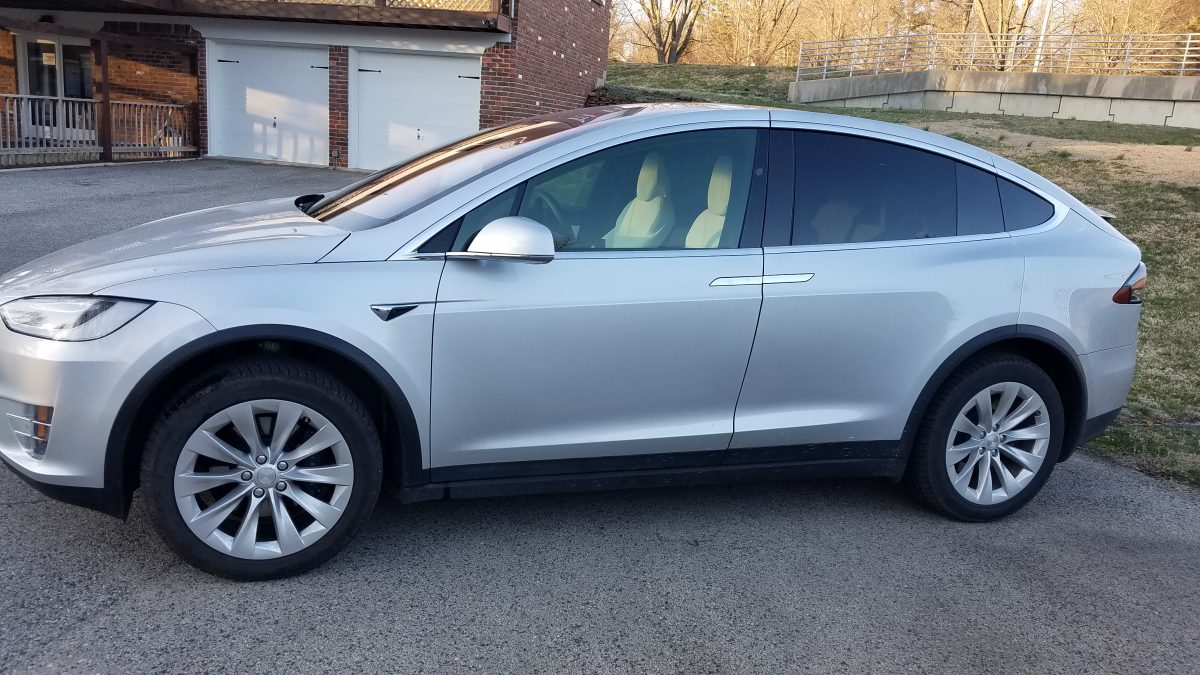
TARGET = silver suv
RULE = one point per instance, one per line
(606, 298)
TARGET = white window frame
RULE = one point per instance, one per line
(22, 57)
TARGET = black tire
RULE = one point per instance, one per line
(237, 382)
(927, 473)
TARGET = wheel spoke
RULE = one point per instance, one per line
(243, 542)
(324, 514)
(959, 452)
(1033, 433)
(964, 476)
(983, 486)
(1023, 411)
(1028, 460)
(1007, 398)
(205, 443)
(193, 482)
(983, 406)
(285, 423)
(207, 521)
(325, 437)
(242, 417)
(966, 426)
(337, 474)
(285, 527)
(1009, 481)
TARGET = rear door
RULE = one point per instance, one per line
(880, 260)
(621, 352)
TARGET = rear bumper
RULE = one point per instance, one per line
(1092, 429)
(1109, 375)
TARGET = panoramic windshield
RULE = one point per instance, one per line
(396, 191)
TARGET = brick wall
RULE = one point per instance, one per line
(8, 63)
(557, 53)
(158, 75)
(339, 105)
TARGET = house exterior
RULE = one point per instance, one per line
(343, 83)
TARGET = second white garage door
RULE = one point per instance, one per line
(406, 104)
(269, 102)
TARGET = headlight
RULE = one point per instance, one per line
(69, 319)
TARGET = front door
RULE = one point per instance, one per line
(629, 348)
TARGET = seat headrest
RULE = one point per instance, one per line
(719, 185)
(652, 178)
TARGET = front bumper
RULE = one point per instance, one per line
(85, 383)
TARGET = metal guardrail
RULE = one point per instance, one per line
(1128, 54)
(48, 130)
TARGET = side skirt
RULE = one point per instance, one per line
(892, 468)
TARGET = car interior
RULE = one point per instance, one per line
(689, 192)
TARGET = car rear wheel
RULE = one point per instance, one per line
(989, 440)
(262, 469)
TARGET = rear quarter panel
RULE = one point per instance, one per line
(1071, 273)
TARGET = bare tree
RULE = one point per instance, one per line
(669, 26)
(750, 32)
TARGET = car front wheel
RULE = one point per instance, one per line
(989, 440)
(262, 469)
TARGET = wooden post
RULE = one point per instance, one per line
(196, 105)
(104, 110)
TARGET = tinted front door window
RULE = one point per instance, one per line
(679, 191)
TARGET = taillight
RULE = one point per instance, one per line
(1131, 292)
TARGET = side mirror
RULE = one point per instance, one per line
(511, 238)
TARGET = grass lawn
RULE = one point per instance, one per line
(1143, 174)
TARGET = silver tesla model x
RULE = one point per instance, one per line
(612, 297)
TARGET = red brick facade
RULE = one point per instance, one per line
(339, 106)
(8, 63)
(557, 53)
(158, 75)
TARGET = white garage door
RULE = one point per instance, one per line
(269, 102)
(407, 104)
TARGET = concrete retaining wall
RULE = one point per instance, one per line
(1129, 99)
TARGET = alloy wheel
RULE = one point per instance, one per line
(997, 443)
(263, 479)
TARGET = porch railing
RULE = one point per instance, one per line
(48, 130)
(1122, 54)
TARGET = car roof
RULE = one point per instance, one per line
(647, 115)
(650, 115)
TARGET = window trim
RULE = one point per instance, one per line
(1060, 209)
(412, 246)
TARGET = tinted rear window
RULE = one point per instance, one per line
(1022, 208)
(851, 189)
(978, 202)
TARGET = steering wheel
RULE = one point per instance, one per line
(550, 214)
(544, 205)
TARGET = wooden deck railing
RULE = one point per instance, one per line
(47, 130)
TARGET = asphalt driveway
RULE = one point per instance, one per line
(1100, 573)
